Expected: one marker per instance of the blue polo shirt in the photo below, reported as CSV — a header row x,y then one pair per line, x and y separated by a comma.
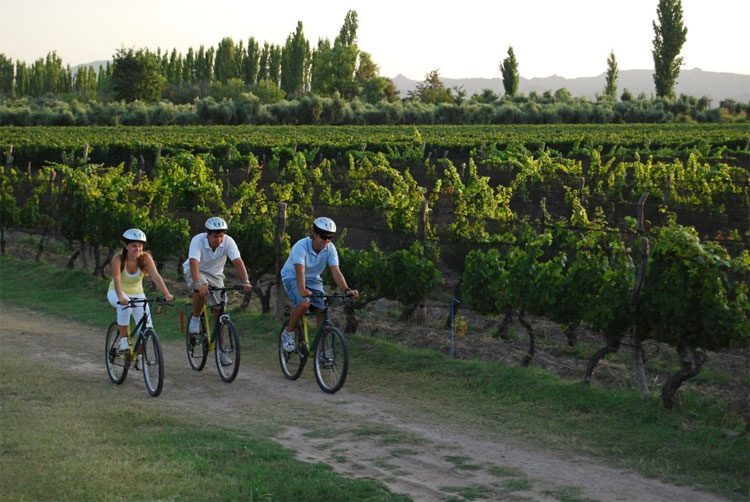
x,y
302,253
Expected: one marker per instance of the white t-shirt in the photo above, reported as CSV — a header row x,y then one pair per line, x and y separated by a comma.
x,y
209,261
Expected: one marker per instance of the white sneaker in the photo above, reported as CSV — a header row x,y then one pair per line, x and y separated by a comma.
x,y
287,341
225,360
195,325
139,362
124,344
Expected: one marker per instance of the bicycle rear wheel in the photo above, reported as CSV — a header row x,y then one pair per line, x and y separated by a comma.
x,y
117,362
197,347
227,351
292,363
153,362
331,360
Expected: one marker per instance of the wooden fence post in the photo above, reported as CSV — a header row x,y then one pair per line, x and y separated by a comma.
x,y
639,372
280,228
420,313
422,221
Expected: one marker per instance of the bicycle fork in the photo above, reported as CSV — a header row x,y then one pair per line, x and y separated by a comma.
x,y
305,331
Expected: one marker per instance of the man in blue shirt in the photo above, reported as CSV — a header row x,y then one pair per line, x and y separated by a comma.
x,y
301,274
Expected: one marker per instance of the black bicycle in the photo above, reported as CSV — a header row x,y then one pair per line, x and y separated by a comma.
x,y
223,340
328,348
149,360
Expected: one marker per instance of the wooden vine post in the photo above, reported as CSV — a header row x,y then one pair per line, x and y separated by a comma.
x,y
639,372
280,228
421,310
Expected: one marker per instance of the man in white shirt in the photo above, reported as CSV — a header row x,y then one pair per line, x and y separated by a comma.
x,y
205,266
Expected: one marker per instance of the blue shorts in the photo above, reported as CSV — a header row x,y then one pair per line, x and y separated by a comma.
x,y
290,286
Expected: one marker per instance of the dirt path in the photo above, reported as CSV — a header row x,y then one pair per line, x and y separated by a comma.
x,y
357,434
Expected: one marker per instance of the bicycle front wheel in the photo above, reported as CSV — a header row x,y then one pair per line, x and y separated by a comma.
x,y
197,347
331,360
227,351
292,363
117,362
153,362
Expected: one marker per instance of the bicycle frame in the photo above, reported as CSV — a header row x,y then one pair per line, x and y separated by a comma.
x,y
222,318
319,331
138,329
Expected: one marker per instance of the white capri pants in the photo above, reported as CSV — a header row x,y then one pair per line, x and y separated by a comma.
x,y
124,313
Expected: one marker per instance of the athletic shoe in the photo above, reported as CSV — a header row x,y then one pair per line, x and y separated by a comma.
x,y
195,325
225,360
287,341
139,362
124,344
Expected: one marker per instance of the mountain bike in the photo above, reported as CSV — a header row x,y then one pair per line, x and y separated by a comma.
x,y
223,340
150,359
328,348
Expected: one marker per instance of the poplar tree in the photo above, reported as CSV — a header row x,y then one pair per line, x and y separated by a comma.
x,y
251,62
274,64
509,70
333,68
265,54
188,69
6,75
610,88
295,59
225,66
670,34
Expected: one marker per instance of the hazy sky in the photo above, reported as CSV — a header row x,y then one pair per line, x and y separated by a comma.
x,y
570,38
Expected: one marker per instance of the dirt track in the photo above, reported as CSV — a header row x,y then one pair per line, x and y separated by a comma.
x,y
363,435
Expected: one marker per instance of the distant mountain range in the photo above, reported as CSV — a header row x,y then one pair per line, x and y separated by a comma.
x,y
716,85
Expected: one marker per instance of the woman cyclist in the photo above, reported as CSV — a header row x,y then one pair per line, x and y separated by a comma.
x,y
128,269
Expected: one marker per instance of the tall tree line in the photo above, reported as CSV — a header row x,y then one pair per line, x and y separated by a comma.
x,y
231,68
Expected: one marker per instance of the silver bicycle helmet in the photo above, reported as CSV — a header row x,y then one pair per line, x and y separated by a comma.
x,y
134,234
324,225
216,224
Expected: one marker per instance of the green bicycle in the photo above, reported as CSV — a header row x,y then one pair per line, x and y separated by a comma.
x,y
328,348
223,340
150,359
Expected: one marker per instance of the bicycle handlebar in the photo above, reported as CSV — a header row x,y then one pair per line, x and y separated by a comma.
x,y
332,296
134,302
238,287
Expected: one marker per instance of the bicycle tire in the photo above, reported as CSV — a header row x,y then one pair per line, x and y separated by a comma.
x,y
117,362
331,360
292,363
197,347
152,362
227,344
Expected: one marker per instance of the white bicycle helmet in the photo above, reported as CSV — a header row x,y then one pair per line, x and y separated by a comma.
x,y
134,234
216,224
324,224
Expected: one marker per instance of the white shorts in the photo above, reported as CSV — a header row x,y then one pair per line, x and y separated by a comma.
x,y
217,281
123,312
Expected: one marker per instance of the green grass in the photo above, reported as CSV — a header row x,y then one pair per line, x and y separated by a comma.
x,y
696,446
567,494
59,444
462,463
